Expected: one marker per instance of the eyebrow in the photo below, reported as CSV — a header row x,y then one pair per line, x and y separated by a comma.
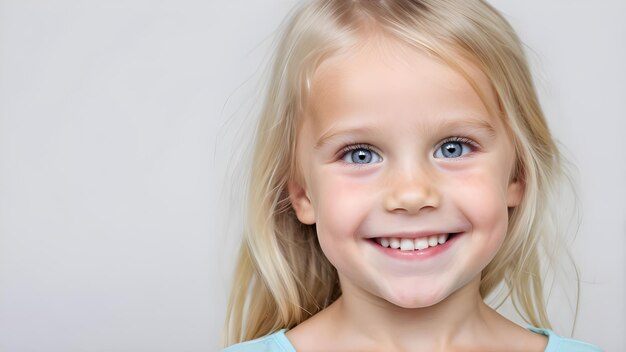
x,y
471,123
474,124
329,135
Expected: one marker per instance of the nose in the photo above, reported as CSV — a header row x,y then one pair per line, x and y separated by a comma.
x,y
411,190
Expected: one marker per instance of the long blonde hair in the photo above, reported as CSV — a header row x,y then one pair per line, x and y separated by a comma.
x,y
282,277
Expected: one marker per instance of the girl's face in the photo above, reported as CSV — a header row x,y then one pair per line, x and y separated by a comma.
x,y
397,149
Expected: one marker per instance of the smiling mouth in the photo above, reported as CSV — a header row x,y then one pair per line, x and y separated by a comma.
x,y
414,244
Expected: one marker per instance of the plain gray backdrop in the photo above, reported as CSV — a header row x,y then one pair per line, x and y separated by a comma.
x,y
121,126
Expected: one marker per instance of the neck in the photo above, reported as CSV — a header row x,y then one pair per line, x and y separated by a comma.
x,y
450,322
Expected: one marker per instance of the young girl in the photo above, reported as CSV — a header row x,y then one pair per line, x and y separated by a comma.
x,y
402,171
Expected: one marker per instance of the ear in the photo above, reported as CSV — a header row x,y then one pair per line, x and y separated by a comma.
x,y
514,193
301,203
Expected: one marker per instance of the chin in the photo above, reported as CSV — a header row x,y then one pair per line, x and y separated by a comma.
x,y
413,300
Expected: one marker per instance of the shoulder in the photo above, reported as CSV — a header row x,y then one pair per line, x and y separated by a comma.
x,y
276,342
557,343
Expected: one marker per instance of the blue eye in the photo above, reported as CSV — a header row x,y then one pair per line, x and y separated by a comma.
x,y
453,149
360,155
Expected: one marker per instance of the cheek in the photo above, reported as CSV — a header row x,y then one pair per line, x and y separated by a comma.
x,y
481,197
341,205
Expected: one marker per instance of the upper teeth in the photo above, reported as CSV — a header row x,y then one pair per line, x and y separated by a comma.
x,y
409,244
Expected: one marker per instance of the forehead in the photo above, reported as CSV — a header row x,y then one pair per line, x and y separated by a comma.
x,y
388,79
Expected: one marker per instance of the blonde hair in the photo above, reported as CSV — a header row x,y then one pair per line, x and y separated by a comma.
x,y
282,277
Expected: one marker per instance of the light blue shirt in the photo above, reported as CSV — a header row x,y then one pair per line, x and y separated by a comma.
x,y
278,342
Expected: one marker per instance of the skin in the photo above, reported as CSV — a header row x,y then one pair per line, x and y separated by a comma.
x,y
402,104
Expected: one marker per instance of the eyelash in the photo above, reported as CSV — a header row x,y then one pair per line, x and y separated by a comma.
x,y
358,146
459,139
355,146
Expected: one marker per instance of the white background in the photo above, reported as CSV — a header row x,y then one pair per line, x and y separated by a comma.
x,y
120,125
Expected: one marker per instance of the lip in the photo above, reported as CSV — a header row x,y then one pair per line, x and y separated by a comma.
x,y
414,235
422,254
